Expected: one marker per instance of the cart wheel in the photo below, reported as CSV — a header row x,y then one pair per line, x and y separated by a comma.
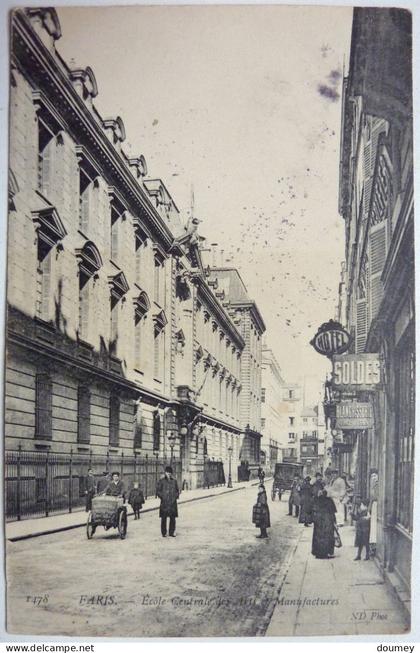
x,y
122,524
90,526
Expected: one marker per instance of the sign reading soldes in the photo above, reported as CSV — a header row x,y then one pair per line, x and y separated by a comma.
x,y
356,372
354,415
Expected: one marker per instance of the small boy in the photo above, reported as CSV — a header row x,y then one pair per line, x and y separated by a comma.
x,y
261,513
362,518
136,500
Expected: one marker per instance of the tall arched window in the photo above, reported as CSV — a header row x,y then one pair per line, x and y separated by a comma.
x,y
141,307
89,263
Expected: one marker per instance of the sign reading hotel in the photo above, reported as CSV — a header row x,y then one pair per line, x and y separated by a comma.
x,y
356,372
330,339
354,415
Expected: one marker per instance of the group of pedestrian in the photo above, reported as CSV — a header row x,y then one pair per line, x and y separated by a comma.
x,y
112,485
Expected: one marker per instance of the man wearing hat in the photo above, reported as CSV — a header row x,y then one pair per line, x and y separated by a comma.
x,y
168,492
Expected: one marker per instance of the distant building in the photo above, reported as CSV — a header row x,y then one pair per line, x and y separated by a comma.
x,y
309,440
230,289
274,438
290,410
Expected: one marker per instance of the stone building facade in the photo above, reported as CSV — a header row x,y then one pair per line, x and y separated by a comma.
x,y
274,438
117,341
376,301
246,316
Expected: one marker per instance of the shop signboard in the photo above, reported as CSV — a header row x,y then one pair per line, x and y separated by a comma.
x,y
354,415
330,339
353,373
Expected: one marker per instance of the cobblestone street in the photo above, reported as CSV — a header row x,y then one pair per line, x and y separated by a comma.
x,y
215,578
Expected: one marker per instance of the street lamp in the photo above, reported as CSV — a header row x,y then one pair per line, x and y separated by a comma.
x,y
229,484
171,439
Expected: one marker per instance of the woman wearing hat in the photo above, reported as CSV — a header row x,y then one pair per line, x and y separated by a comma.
x,y
168,492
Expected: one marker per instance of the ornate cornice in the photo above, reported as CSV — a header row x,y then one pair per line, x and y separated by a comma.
x,y
41,67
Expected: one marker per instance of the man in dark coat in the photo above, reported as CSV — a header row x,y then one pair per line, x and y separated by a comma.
x,y
306,502
91,488
116,486
168,492
294,498
318,485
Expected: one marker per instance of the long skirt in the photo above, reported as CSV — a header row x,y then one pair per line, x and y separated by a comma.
x,y
323,535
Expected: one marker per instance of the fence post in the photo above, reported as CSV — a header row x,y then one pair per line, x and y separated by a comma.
x,y
146,474
135,466
47,464
122,464
71,481
18,506
90,457
107,461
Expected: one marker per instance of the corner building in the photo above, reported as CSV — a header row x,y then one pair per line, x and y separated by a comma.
x,y
117,343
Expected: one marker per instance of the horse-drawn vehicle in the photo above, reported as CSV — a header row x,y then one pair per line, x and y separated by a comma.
x,y
283,477
109,512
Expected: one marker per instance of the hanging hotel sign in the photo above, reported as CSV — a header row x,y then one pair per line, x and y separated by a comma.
x,y
331,339
354,415
356,372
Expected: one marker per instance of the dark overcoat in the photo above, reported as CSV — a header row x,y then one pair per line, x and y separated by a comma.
x,y
168,492
306,503
261,512
362,519
136,498
115,489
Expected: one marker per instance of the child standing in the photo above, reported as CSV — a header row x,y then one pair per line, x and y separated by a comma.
x,y
136,500
362,518
261,512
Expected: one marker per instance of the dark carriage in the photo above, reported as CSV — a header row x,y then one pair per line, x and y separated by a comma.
x,y
283,477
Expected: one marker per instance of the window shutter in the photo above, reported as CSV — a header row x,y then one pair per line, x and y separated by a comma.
x,y
83,414
114,421
138,433
156,431
84,209
361,325
47,168
84,310
43,407
377,256
46,287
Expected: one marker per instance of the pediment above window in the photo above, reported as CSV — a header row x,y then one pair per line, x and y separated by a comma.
x,y
115,129
141,304
48,224
84,82
139,164
119,285
48,18
89,258
160,321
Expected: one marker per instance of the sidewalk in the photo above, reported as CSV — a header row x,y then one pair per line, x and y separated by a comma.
x,y
27,528
334,597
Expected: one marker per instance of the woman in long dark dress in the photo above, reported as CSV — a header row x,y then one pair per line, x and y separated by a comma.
x,y
306,502
324,519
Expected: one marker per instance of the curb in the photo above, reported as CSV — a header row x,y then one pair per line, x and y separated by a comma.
x,y
70,527
270,612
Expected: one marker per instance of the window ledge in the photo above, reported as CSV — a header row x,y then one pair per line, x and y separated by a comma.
x,y
114,450
83,447
42,444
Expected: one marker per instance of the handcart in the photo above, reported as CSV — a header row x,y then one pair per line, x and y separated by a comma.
x,y
109,512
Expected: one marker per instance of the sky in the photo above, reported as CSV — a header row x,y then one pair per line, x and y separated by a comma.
x,y
242,104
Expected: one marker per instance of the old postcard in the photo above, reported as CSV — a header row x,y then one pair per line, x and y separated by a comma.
x,y
210,367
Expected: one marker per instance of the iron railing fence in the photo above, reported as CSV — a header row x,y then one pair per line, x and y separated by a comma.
x,y
40,483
